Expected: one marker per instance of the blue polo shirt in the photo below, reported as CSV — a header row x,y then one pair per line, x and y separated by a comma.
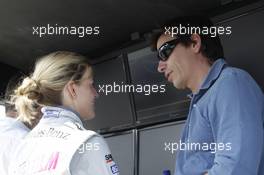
x,y
224,133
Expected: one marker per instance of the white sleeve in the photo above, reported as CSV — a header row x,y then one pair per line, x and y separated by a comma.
x,y
93,157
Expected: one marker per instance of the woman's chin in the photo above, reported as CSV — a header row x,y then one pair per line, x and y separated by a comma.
x,y
89,116
92,116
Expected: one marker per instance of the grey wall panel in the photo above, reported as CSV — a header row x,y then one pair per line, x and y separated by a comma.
x,y
153,158
143,67
122,147
244,47
114,109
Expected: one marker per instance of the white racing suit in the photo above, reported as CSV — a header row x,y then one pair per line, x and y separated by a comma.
x,y
12,131
59,145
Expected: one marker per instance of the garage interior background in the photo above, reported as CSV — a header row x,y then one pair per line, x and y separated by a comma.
x,y
137,126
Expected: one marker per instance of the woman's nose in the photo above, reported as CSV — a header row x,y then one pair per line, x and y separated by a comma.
x,y
96,95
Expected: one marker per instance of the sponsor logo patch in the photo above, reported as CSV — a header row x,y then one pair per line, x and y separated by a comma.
x,y
51,113
114,169
109,158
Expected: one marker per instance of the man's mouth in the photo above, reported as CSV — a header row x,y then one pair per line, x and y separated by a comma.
x,y
168,76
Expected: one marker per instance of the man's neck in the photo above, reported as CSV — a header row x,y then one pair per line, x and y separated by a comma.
x,y
198,75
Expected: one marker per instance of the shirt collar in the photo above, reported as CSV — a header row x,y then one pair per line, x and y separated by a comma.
x,y
212,75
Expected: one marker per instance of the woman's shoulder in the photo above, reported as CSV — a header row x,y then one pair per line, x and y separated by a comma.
x,y
96,140
95,145
92,133
95,136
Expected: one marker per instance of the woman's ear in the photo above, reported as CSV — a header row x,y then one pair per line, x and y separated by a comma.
x,y
70,87
196,45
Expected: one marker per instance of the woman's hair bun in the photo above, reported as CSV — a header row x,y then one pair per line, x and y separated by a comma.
x,y
29,88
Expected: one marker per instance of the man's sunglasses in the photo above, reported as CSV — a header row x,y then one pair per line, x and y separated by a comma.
x,y
166,49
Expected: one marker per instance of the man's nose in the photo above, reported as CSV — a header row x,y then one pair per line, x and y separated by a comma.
x,y
162,66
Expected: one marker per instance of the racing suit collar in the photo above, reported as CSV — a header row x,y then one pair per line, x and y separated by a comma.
x,y
61,111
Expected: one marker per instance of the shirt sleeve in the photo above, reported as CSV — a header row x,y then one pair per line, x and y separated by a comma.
x,y
94,157
237,120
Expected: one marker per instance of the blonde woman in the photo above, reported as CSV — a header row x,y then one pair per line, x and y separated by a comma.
x,y
61,86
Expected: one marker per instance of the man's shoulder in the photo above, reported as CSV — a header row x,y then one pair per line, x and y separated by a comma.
x,y
237,80
233,76
234,72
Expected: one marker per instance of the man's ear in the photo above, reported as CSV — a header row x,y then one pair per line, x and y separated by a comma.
x,y
197,44
71,89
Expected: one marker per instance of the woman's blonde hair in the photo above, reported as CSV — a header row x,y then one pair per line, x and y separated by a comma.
x,y
44,86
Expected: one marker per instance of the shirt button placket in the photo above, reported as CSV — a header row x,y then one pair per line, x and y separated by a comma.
x,y
189,126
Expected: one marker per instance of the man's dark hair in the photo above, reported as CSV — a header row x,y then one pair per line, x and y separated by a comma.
x,y
211,47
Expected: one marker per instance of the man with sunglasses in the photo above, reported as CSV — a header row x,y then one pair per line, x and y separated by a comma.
x,y
226,109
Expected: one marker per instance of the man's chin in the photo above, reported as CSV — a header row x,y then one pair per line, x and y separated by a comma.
x,y
178,85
